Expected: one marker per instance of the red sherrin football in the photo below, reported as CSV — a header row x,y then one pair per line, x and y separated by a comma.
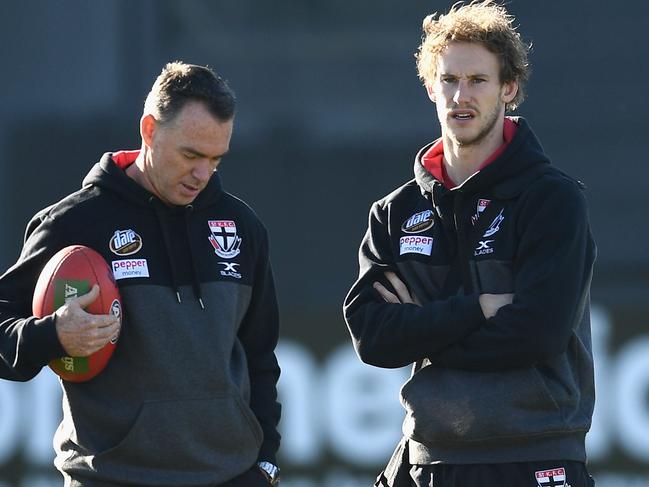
x,y
70,273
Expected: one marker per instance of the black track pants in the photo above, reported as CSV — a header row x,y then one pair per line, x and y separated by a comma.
x,y
527,474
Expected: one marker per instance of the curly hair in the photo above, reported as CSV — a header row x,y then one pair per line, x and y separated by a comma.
x,y
179,83
484,22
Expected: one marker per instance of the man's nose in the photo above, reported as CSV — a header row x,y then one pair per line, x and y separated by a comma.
x,y
462,94
202,170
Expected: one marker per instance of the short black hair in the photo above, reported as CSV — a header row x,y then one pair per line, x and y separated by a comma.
x,y
179,83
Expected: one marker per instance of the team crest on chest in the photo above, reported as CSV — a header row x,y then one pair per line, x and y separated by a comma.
x,y
480,207
554,477
224,238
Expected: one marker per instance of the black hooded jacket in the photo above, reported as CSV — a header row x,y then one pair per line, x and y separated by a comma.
x,y
517,386
189,396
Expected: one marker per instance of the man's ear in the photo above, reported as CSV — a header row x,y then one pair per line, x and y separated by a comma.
x,y
431,93
148,125
510,90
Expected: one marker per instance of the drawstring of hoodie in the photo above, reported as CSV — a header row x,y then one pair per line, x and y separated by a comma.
x,y
165,239
164,227
195,282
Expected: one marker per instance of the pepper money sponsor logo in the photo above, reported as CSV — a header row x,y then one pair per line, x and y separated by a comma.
x,y
130,268
125,242
418,222
415,245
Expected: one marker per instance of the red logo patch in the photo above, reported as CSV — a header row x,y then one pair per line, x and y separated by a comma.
x,y
555,477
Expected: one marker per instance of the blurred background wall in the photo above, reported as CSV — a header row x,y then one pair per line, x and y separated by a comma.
x,y
330,116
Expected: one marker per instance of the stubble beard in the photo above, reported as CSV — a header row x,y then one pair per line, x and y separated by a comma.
x,y
488,127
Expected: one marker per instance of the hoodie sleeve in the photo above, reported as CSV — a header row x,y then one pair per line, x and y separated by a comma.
x,y
552,274
394,335
26,342
259,334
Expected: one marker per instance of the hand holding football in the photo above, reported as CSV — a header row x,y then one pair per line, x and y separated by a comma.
x,y
77,285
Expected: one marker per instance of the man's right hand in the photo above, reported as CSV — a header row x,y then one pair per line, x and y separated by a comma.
x,y
403,295
80,333
491,303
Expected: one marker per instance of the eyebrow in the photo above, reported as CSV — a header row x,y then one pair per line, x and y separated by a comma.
x,y
200,154
476,75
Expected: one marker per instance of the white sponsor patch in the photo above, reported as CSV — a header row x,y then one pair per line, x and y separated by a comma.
x,y
415,245
130,268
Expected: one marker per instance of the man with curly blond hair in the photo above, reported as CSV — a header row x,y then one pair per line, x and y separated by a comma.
x,y
477,272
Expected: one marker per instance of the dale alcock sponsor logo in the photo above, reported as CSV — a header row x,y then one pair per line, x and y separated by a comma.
x,y
130,268
554,477
415,244
418,222
224,238
125,242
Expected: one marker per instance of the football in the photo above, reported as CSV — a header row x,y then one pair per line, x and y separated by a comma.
x,y
70,273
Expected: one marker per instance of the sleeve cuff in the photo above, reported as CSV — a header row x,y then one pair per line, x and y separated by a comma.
x,y
42,336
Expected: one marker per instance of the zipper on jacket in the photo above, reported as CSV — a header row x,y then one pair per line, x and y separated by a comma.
x,y
463,254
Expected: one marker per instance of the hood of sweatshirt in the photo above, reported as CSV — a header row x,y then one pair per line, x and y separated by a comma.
x,y
522,161
109,173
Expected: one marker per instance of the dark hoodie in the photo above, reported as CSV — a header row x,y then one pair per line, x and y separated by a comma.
x,y
518,386
189,397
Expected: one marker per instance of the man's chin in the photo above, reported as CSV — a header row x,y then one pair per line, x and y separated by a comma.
x,y
469,139
465,140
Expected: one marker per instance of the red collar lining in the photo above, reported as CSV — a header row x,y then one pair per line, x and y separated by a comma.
x,y
433,158
125,158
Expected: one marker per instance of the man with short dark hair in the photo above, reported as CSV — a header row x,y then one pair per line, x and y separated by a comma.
x,y
478,273
189,397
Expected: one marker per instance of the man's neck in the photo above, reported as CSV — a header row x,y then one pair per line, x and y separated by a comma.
x,y
135,171
462,161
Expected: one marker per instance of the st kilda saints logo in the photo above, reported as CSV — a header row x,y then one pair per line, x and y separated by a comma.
x,y
125,242
224,238
480,207
418,222
554,477
116,310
